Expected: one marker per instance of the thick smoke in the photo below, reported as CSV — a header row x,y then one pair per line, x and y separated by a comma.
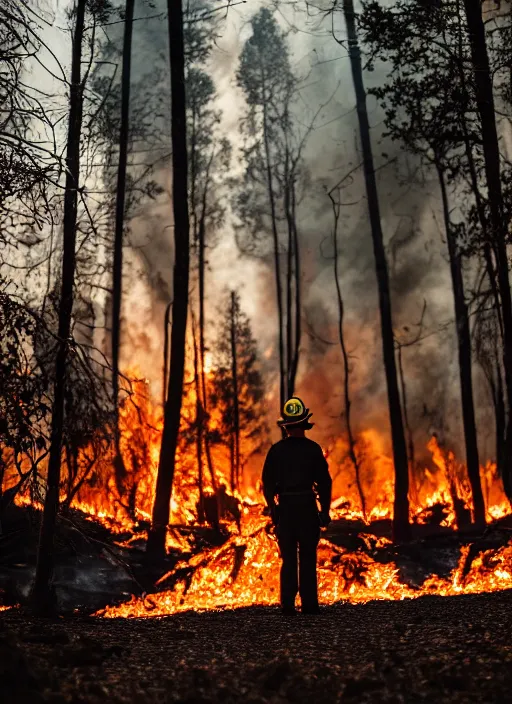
x,y
412,226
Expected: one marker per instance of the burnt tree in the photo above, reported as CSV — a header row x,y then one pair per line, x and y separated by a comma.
x,y
464,354
41,595
235,438
401,528
499,227
172,409
117,278
433,119
344,352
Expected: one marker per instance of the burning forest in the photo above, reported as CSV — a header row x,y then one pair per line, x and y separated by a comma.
x,y
218,221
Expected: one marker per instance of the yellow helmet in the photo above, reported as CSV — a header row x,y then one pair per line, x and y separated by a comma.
x,y
295,413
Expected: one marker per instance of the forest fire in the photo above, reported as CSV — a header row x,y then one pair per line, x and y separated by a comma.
x,y
245,569
245,572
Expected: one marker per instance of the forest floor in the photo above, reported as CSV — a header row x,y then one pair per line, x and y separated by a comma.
x,y
435,649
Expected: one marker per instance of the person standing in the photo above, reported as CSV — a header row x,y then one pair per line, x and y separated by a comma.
x,y
296,474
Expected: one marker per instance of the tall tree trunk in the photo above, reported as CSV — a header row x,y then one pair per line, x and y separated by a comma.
x,y
501,425
290,383
117,283
298,308
277,263
401,527
41,596
199,428
172,410
202,341
485,103
236,402
346,368
293,302
464,350
413,493
165,375
199,241
496,390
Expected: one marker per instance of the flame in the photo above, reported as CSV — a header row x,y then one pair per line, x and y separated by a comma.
x,y
245,570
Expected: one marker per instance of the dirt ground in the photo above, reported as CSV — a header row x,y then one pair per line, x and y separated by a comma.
x,y
432,649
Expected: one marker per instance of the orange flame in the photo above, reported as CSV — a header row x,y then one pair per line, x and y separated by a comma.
x,y
245,570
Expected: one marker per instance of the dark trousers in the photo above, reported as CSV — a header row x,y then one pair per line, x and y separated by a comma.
x,y
298,533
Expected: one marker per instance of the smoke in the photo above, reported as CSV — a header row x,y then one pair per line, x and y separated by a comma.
x,y
411,222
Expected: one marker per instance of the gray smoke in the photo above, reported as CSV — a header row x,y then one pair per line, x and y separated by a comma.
x,y
410,218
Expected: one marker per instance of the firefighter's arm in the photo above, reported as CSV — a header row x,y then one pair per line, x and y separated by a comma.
x,y
268,480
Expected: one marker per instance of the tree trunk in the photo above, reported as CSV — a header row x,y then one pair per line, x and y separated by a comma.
x,y
401,527
346,368
172,410
199,430
500,416
41,596
464,350
165,375
411,455
298,307
290,383
293,321
202,342
277,264
236,408
496,389
485,103
117,283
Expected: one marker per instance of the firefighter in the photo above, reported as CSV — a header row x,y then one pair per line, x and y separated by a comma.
x,y
296,473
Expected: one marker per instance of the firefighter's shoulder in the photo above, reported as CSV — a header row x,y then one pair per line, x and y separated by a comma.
x,y
317,447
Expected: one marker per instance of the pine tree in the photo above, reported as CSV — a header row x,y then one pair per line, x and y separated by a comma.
x,y
270,191
401,528
172,409
237,391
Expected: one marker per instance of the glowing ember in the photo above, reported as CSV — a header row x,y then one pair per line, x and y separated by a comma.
x,y
245,572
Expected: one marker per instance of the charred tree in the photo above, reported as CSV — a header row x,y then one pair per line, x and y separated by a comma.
x,y
117,280
235,455
401,527
165,368
172,409
201,243
465,366
346,365
199,428
209,158
275,240
41,595
294,364
490,147
493,375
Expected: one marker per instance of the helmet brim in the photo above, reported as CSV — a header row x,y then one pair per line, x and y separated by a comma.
x,y
296,422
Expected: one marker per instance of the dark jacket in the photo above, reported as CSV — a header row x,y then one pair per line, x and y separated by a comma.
x,y
296,465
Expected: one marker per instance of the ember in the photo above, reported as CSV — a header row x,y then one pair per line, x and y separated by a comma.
x,y
245,569
343,576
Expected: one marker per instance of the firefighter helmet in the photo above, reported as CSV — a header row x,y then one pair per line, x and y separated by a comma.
x,y
295,414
